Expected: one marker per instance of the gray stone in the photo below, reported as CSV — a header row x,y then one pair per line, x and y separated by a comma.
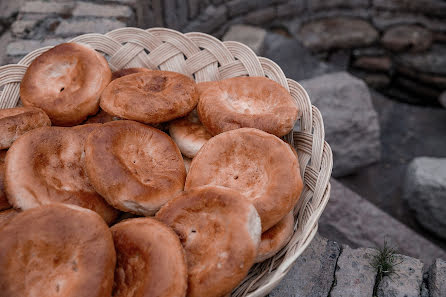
x,y
291,8
76,27
340,58
424,292
442,99
150,15
313,272
337,32
47,7
407,131
425,192
429,7
416,91
316,5
438,81
439,36
355,277
294,25
351,219
373,51
208,21
405,281
351,123
9,8
374,80
194,8
126,2
261,16
5,39
433,61
21,27
386,19
295,60
98,10
175,13
411,38
382,63
23,47
251,36
236,7
437,279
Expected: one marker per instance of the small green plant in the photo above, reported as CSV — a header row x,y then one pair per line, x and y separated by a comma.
x,y
384,263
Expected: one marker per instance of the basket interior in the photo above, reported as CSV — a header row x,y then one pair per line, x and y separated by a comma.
x,y
205,58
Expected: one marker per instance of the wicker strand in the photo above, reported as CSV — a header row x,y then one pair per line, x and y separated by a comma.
x,y
205,58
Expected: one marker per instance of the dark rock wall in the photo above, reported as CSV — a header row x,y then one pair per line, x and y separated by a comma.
x,y
398,46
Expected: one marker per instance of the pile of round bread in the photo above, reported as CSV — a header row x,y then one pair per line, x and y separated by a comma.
x,y
141,182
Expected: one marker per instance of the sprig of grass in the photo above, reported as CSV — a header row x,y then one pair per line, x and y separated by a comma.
x,y
384,263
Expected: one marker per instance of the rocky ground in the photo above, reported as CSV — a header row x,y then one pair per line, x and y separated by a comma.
x,y
389,147
346,272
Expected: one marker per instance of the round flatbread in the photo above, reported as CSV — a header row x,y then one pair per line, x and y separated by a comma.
x,y
56,250
101,118
275,238
15,122
135,167
66,82
150,260
4,204
7,215
187,162
150,97
257,164
127,71
220,232
255,102
46,165
189,134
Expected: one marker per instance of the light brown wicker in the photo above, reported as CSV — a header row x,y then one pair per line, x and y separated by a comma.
x,y
205,58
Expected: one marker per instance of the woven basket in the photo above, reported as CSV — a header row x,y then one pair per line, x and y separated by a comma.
x,y
205,58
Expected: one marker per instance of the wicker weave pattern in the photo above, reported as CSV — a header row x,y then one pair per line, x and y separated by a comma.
x,y
205,58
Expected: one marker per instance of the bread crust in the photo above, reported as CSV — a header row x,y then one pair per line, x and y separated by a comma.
x,y
135,167
150,260
4,204
150,97
189,134
15,122
127,71
259,165
46,166
220,232
7,215
56,250
275,238
254,102
66,82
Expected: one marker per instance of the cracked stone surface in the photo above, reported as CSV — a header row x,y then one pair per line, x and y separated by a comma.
x,y
351,219
437,279
316,263
406,281
355,277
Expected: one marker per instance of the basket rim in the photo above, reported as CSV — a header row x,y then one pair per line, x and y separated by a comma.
x,y
168,48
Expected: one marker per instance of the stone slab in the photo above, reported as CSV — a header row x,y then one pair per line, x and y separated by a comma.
x,y
312,274
437,278
251,36
405,281
355,277
351,219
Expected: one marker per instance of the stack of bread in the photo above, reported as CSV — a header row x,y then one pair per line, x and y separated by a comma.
x,y
141,182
